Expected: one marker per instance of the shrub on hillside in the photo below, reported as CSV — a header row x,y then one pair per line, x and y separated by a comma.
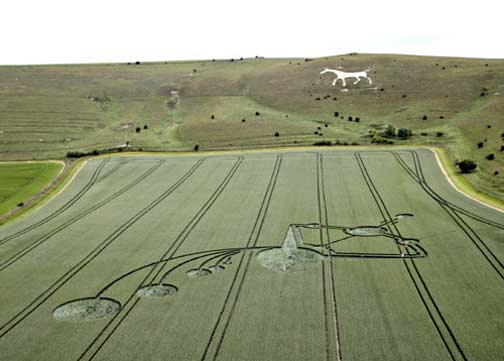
x,y
439,134
196,147
146,127
138,129
502,148
424,117
277,134
490,156
257,113
357,119
336,114
390,131
323,142
480,145
20,204
467,165
404,133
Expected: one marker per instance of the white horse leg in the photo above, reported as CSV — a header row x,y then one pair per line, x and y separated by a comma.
x,y
344,83
358,80
334,81
370,81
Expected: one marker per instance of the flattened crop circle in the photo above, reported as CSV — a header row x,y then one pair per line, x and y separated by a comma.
x,y
159,290
86,309
365,231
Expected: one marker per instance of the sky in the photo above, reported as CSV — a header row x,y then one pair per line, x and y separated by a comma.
x,y
75,31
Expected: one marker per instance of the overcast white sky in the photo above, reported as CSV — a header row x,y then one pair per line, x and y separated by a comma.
x,y
75,31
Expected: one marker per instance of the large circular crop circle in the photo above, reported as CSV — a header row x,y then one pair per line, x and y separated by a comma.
x,y
158,290
286,260
365,231
86,309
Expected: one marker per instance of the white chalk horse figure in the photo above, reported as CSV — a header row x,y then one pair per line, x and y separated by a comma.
x,y
343,75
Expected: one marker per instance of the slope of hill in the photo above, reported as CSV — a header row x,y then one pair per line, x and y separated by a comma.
x,y
46,111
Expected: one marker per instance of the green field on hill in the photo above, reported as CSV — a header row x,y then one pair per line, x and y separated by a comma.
x,y
21,181
281,255
455,103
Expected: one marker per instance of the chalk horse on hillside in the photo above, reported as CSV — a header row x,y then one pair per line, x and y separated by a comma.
x,y
344,75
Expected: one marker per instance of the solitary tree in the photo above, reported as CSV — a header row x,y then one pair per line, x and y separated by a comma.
x,y
467,165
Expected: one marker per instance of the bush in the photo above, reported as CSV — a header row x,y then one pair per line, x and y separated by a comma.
x,y
404,133
382,89
336,114
480,145
490,156
424,117
326,125
357,119
243,120
315,132
20,204
424,134
323,142
319,128
146,127
350,118
257,113
502,148
137,62
390,131
138,129
404,95
489,126
467,166
441,117
439,134
212,116
496,172
277,134
196,147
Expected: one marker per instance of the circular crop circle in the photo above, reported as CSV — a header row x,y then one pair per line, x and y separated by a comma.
x,y
86,309
286,260
365,231
158,290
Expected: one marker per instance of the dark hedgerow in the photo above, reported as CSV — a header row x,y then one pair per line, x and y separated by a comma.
x,y
323,142
467,165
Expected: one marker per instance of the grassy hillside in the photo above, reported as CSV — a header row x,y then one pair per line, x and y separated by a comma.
x,y
20,182
45,111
